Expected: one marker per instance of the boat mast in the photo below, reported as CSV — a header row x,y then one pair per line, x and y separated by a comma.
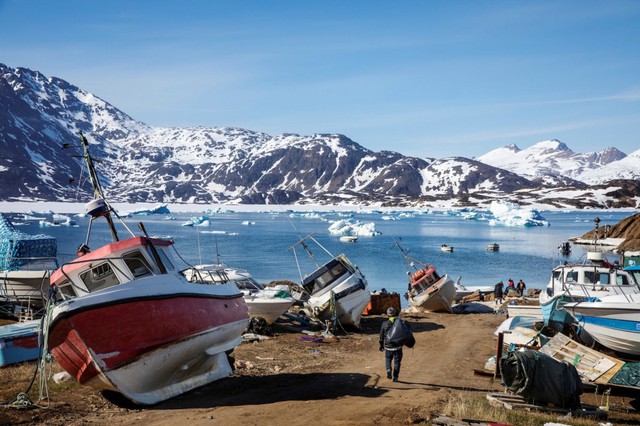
x,y
98,207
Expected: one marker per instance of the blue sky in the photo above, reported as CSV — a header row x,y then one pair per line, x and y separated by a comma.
x,y
424,78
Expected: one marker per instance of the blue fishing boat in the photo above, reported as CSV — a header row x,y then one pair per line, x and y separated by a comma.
x,y
19,342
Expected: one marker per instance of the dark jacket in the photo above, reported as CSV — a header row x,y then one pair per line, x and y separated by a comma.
x,y
497,291
383,334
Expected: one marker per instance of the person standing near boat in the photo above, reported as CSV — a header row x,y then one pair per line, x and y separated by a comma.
x,y
391,352
498,292
521,287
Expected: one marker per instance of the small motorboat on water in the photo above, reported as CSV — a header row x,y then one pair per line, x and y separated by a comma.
x,y
336,291
26,262
126,320
348,238
446,248
427,290
493,247
268,303
564,248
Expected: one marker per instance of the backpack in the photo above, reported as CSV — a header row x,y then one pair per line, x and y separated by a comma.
x,y
400,334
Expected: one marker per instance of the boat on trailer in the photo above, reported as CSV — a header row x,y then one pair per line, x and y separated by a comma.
x,y
126,320
336,291
427,290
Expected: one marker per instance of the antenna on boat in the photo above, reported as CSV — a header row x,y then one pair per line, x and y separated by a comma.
x,y
98,207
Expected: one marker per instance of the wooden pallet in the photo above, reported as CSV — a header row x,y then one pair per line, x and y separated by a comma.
x,y
516,402
592,365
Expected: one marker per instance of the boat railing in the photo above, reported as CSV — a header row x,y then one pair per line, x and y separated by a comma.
x,y
127,273
589,290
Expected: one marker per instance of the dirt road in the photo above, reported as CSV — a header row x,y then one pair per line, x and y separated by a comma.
x,y
286,380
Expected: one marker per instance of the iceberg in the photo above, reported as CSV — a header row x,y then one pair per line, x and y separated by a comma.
x,y
353,227
158,209
511,214
197,221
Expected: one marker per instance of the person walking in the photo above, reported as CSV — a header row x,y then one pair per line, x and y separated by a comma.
x,y
391,353
498,292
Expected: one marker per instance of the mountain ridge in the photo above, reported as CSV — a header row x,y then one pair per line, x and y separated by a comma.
x,y
235,165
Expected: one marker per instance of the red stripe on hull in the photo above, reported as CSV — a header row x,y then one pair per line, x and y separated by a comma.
x,y
117,334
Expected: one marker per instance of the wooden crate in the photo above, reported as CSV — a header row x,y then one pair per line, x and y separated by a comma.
x,y
380,302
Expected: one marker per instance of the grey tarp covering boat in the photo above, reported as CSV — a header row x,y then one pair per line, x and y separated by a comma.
x,y
540,378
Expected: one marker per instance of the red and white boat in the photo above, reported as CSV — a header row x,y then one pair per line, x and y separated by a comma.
x,y
127,320
427,291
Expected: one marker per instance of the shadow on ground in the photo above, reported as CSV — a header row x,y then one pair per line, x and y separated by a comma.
x,y
255,390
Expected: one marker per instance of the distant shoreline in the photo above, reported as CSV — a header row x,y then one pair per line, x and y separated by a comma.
x,y
78,207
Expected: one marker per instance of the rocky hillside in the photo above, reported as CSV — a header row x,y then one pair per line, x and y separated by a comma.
x,y
628,228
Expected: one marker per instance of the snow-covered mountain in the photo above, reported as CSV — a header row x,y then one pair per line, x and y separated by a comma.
x,y
553,163
219,164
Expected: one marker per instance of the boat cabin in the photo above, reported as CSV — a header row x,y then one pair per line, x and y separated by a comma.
x,y
337,269
592,280
113,264
422,279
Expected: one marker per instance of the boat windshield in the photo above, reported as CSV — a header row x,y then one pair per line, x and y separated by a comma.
x,y
324,276
137,264
249,284
635,275
99,277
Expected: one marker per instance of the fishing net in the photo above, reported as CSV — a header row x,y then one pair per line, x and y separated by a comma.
x,y
18,249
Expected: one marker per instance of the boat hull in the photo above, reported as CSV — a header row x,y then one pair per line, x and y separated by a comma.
x,y
19,342
436,298
614,325
148,348
268,309
351,298
530,311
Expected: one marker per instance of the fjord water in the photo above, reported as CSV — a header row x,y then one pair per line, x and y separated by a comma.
x,y
263,246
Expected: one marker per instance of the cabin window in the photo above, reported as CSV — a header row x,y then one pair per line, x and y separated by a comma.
x,y
66,290
622,280
102,276
589,277
163,257
572,276
137,264
603,278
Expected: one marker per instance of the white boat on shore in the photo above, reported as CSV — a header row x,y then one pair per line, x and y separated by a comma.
x,y
336,291
522,309
613,321
594,277
268,303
